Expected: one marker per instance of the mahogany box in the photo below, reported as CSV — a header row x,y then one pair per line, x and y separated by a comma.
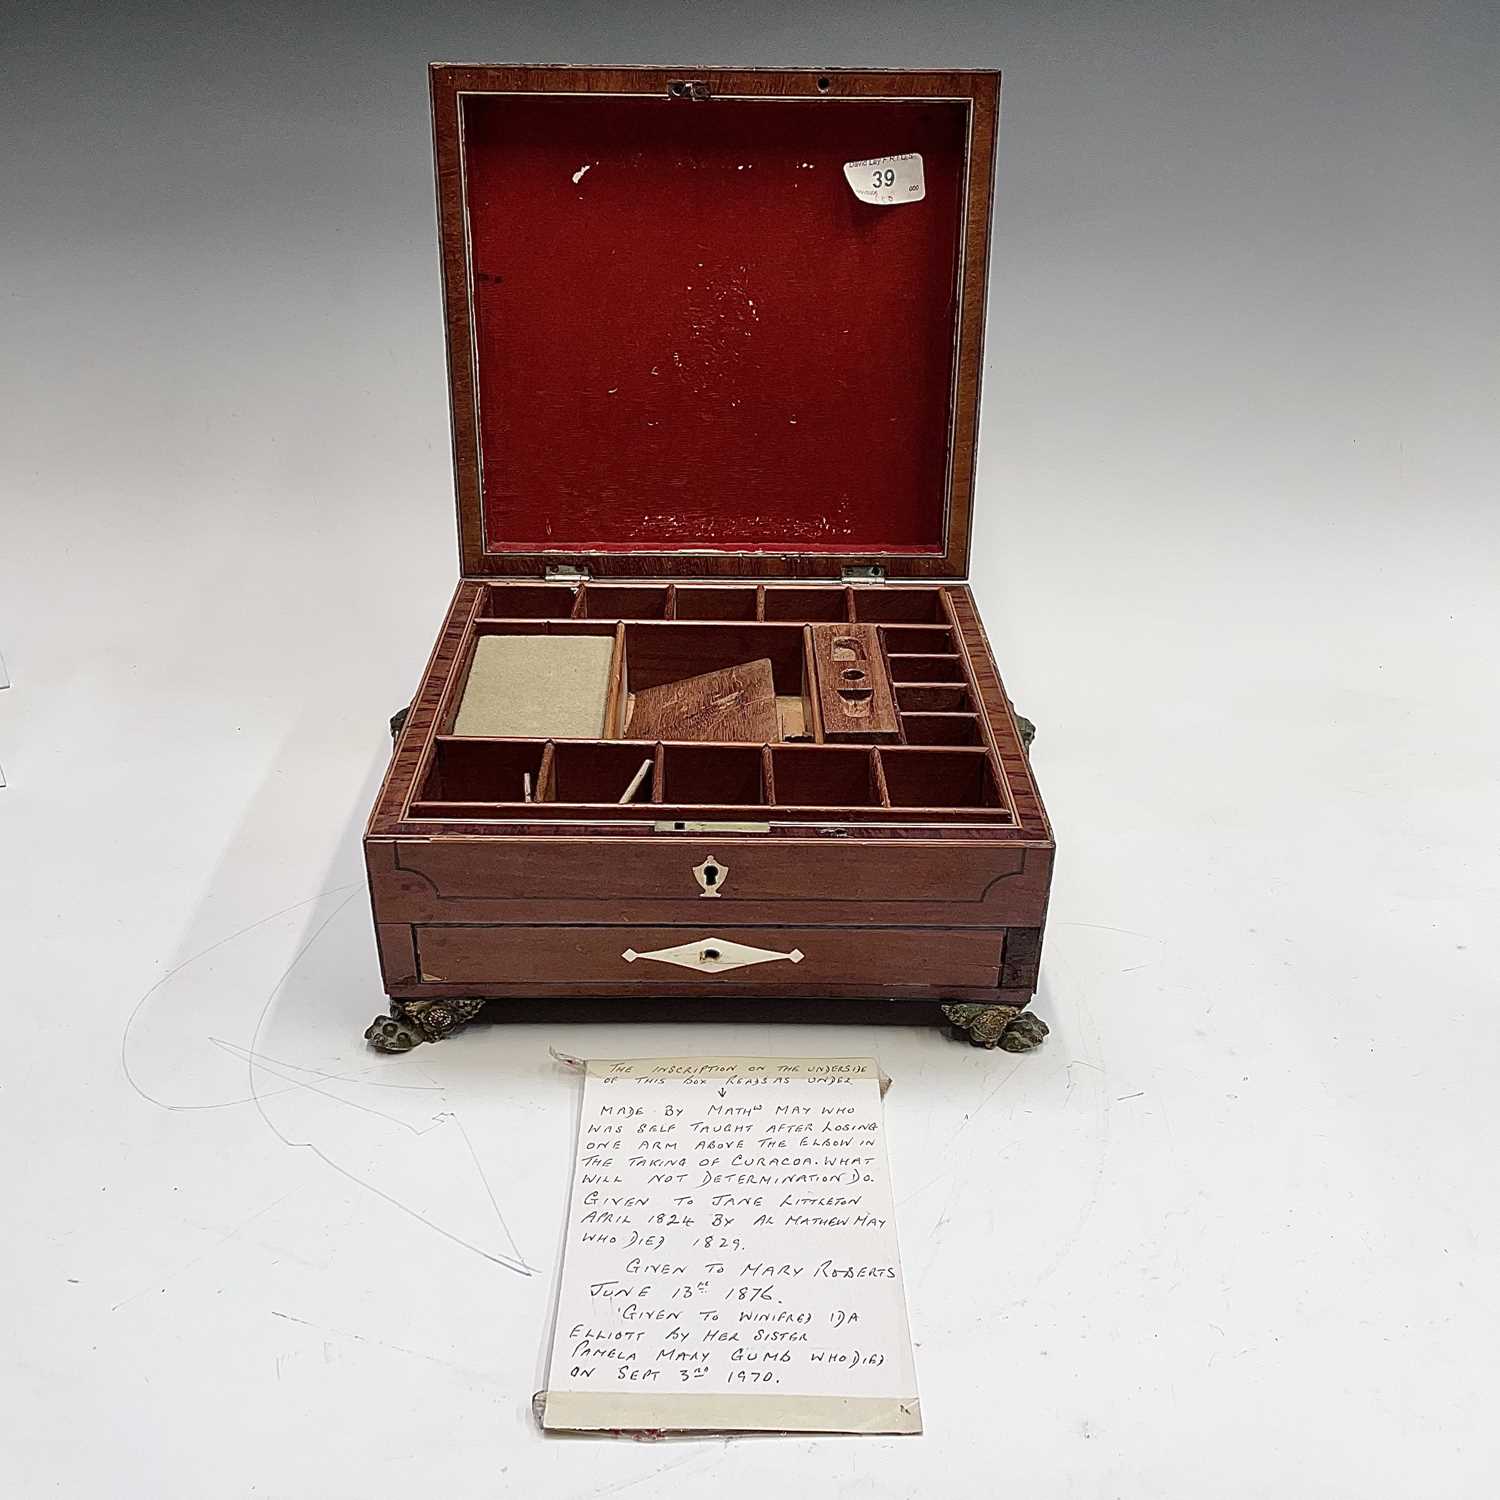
x,y
714,350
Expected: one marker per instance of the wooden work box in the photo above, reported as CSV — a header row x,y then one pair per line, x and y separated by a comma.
x,y
712,727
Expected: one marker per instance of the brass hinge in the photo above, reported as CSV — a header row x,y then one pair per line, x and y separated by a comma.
x,y
565,573
863,573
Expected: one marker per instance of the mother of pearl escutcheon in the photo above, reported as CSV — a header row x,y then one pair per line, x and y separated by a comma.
x,y
712,955
710,876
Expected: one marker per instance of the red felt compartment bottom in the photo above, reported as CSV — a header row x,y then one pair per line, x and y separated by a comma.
x,y
690,333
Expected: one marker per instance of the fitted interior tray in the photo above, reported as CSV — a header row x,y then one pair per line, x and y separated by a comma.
x,y
550,657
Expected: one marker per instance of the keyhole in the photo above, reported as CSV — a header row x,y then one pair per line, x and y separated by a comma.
x,y
710,874
710,955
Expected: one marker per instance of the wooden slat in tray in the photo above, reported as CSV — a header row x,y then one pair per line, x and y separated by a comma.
x,y
735,704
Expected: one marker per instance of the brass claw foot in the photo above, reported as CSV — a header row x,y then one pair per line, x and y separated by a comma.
x,y
1003,1026
412,1022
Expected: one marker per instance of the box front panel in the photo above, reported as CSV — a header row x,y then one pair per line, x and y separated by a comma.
x,y
692,879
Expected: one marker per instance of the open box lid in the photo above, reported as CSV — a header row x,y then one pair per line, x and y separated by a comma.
x,y
679,341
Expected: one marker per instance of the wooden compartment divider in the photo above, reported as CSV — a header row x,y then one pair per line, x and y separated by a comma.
x,y
937,759
540,791
934,695
768,775
614,702
812,713
658,773
877,770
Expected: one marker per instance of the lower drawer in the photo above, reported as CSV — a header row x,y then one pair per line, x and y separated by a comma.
x,y
656,957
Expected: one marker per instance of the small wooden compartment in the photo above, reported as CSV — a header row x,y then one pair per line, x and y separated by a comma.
x,y
528,601
940,778
604,775
809,605
472,770
711,671
714,604
917,640
929,698
713,776
914,669
659,654
631,603
941,729
812,776
885,606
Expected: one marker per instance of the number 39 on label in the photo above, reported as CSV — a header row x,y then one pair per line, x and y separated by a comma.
x,y
886,180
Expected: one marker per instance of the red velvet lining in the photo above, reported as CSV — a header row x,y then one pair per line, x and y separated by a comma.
x,y
691,334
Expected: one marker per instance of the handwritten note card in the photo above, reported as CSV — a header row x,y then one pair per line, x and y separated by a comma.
x,y
731,1260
